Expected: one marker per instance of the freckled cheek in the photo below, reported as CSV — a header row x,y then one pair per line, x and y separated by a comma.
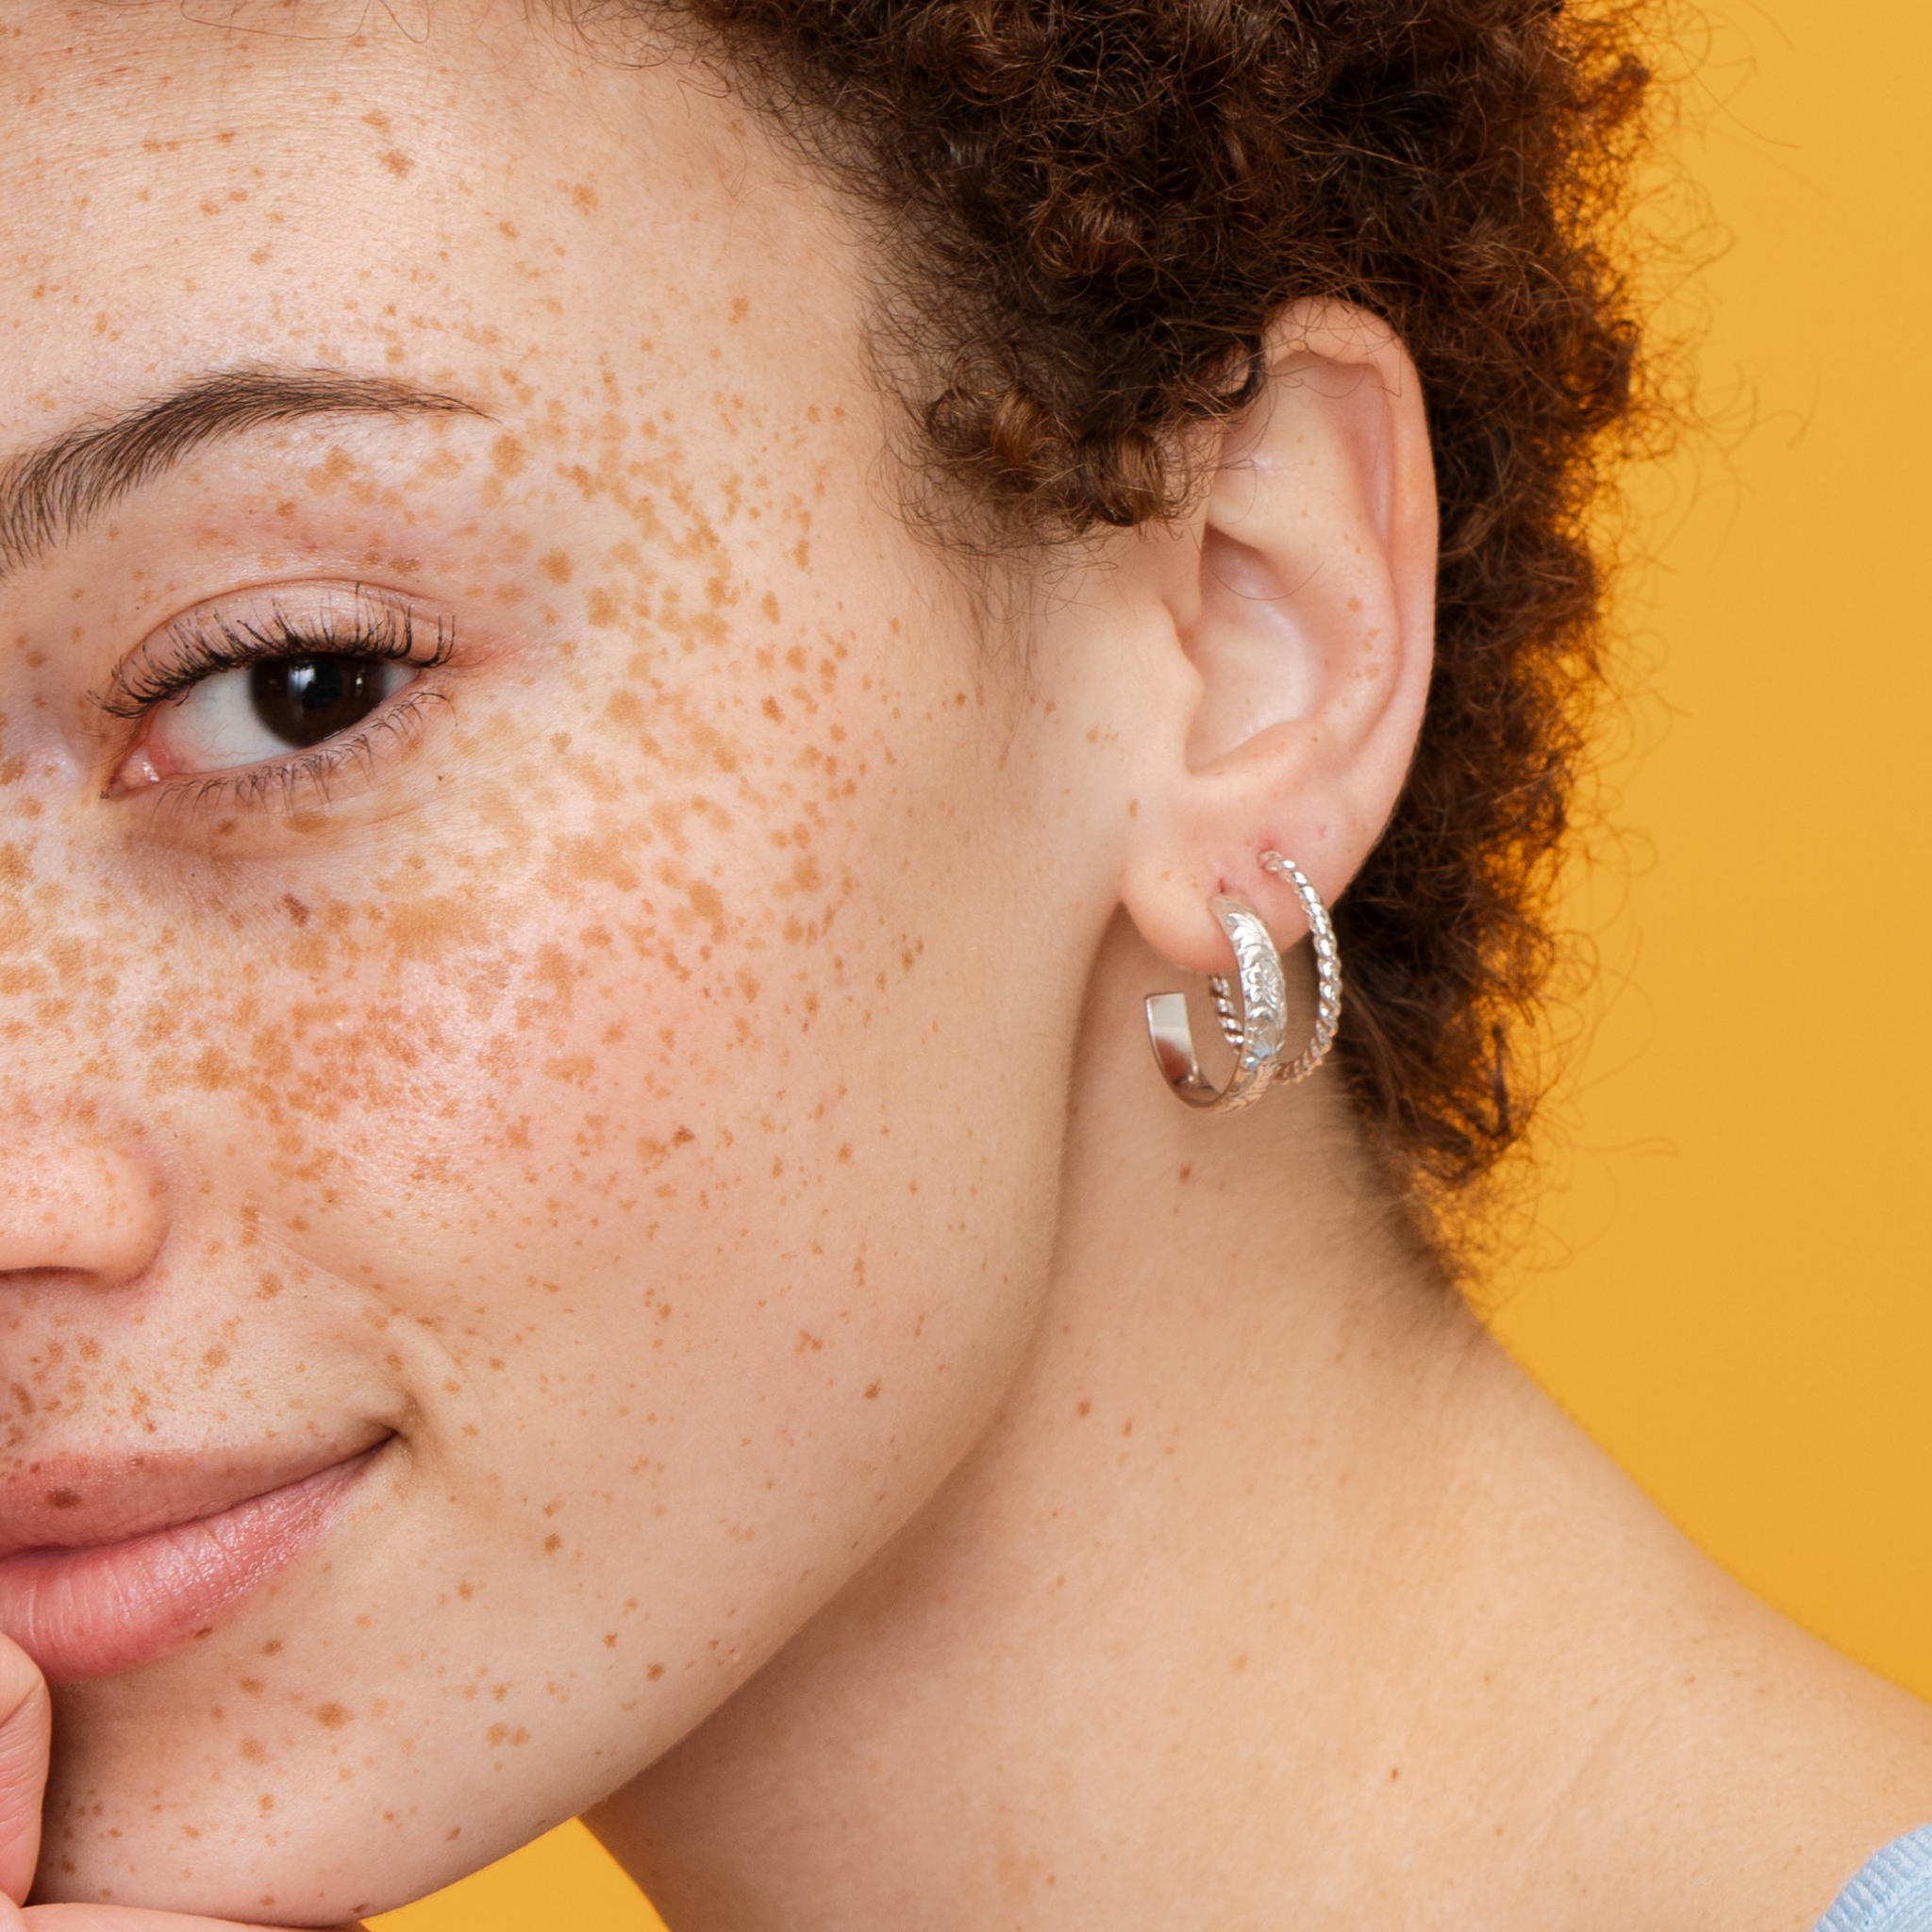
x,y
414,1103
546,1016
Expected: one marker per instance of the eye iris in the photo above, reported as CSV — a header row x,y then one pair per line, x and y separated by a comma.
x,y
304,700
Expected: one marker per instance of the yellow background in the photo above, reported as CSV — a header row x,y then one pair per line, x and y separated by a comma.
x,y
1728,1282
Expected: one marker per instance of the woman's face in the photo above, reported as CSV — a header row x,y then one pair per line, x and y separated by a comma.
x,y
574,1144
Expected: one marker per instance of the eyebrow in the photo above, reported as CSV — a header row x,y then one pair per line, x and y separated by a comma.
x,y
49,493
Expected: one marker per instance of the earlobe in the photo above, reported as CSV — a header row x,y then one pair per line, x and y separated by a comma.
x,y
1306,616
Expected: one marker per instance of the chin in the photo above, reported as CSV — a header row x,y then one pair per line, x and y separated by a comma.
x,y
163,1800
306,1761
341,1745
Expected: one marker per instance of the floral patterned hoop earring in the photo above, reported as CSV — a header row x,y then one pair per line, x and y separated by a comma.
x,y
1255,1029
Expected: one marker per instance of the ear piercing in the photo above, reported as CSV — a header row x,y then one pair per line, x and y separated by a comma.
x,y
1255,1029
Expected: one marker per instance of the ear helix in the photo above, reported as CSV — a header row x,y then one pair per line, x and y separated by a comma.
x,y
1255,1032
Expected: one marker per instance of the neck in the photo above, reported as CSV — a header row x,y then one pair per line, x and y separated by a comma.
x,y
1273,1595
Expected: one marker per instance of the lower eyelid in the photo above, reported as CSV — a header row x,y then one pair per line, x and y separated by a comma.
x,y
304,780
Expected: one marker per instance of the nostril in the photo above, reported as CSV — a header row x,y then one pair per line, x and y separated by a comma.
x,y
75,1207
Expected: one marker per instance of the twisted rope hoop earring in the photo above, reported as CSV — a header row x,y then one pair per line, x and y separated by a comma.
x,y
1256,1031
1327,969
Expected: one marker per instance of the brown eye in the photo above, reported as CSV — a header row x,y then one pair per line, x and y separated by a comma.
x,y
262,711
304,700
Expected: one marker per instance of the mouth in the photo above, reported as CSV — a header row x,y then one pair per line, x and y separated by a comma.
x,y
104,1568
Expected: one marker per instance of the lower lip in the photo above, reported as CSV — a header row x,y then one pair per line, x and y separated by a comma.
x,y
94,1612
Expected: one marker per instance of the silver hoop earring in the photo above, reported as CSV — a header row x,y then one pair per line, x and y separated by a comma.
x,y
1327,969
1256,1031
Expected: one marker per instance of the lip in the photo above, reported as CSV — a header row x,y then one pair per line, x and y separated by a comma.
x,y
105,1566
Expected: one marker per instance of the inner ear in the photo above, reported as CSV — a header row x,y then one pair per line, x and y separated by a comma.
x,y
1259,663
1296,613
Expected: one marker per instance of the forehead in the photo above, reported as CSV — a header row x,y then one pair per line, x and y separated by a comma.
x,y
463,189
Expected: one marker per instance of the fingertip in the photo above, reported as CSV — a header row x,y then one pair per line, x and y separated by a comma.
x,y
20,1680
26,1727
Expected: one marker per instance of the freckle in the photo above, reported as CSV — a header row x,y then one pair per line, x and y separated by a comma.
x,y
266,1801
451,1836
268,1287
251,1686
656,1671
252,1750
1127,1427
507,455
397,162
555,565
216,1359
552,1542
63,1499
611,1639
332,1717
584,199
1240,1663
1084,1408
273,1647
872,1394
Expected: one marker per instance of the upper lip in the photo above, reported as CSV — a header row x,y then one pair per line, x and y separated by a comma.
x,y
70,1502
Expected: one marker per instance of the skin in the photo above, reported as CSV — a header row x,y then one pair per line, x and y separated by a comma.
x,y
679,1090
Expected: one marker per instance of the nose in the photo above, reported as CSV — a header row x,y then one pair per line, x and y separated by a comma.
x,y
72,1203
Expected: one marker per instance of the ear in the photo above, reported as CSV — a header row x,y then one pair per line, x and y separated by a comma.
x,y
1299,611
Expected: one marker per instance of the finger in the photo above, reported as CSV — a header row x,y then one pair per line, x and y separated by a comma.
x,y
26,1718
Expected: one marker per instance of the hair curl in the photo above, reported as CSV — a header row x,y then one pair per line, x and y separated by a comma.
x,y
1102,203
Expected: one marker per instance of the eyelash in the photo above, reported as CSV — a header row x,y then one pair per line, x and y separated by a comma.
x,y
206,643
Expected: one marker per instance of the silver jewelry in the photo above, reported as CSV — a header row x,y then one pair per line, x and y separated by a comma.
x,y
1327,969
1255,1030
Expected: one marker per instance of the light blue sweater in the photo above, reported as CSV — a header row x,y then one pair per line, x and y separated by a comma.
x,y
1892,1893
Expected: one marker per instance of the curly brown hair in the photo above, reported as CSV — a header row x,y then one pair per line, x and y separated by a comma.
x,y
1098,207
